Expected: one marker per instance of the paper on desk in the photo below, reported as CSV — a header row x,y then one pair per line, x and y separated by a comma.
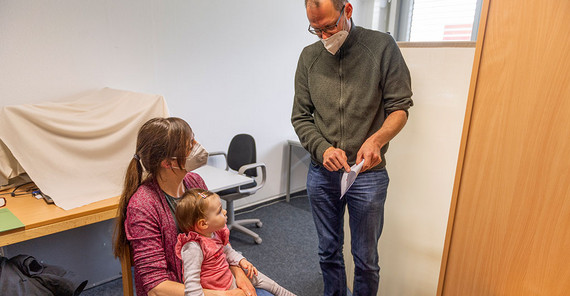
x,y
348,178
9,220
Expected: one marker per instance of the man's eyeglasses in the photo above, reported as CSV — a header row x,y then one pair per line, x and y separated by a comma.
x,y
327,29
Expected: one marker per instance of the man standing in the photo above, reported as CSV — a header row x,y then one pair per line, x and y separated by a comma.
x,y
352,93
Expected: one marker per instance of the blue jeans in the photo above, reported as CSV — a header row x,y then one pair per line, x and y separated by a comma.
x,y
365,200
261,292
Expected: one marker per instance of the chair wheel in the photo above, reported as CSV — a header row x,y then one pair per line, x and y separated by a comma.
x,y
259,224
258,240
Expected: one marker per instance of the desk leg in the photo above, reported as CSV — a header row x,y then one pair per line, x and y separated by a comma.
x,y
288,194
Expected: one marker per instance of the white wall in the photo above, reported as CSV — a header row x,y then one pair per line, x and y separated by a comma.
x,y
224,66
421,165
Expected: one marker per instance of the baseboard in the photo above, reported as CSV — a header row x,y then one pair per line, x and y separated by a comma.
x,y
268,200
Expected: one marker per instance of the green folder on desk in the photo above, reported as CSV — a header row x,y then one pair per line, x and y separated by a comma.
x,y
9,221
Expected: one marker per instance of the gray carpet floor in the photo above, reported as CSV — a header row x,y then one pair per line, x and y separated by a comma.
x,y
288,253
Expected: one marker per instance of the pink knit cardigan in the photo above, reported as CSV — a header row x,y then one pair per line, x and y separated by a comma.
x,y
152,234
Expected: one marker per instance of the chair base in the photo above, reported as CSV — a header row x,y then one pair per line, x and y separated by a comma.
x,y
238,225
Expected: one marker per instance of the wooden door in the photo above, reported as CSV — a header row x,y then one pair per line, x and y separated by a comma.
x,y
509,225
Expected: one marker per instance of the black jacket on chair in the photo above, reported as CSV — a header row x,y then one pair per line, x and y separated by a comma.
x,y
24,275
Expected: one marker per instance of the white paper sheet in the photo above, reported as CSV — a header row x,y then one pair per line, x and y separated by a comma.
x,y
349,178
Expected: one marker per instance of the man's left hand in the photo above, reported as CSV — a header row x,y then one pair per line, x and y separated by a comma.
x,y
370,152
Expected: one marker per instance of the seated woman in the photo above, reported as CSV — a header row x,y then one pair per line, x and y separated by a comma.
x,y
158,174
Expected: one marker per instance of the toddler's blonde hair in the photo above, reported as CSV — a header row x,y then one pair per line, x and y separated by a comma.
x,y
192,207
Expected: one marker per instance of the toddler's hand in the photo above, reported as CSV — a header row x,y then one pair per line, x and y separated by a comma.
x,y
246,265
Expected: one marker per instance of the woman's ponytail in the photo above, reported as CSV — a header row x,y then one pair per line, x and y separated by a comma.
x,y
132,181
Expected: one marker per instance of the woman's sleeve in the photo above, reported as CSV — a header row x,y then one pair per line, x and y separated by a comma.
x,y
192,258
144,234
194,180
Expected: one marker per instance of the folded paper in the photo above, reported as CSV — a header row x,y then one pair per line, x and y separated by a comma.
x,y
349,178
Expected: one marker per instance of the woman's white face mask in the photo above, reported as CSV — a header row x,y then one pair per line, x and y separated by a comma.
x,y
198,157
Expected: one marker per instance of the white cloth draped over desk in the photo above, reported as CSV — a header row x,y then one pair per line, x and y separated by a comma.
x,y
77,151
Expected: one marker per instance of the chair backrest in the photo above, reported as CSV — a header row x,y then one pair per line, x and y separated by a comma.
x,y
242,152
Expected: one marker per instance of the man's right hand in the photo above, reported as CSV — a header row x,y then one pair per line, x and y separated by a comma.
x,y
335,159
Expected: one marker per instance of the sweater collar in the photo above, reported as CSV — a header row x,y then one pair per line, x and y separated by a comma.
x,y
351,39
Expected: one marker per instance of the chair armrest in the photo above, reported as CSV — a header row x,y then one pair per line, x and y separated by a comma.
x,y
246,167
215,153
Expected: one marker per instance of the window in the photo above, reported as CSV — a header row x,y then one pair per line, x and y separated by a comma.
x,y
442,20
422,20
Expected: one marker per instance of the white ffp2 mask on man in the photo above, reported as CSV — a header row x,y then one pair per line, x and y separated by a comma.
x,y
334,42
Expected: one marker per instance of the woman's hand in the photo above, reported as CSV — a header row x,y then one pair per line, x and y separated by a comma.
x,y
235,292
251,270
242,281
167,288
232,292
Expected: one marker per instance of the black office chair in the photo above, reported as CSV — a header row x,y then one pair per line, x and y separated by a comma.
x,y
241,157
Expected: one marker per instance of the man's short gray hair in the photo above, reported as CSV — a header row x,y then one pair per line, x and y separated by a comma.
x,y
338,4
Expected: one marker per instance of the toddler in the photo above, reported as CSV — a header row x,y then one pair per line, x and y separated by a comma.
x,y
205,250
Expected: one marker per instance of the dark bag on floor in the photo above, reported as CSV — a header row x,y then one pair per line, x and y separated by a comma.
x,y
24,275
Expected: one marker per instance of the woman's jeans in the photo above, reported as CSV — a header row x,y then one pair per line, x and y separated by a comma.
x,y
365,200
261,292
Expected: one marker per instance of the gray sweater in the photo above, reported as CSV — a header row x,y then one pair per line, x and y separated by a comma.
x,y
342,99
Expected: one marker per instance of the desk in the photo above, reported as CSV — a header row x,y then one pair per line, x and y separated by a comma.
x,y
41,219
290,144
218,179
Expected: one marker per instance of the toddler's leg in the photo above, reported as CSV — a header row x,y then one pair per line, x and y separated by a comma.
x,y
262,281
